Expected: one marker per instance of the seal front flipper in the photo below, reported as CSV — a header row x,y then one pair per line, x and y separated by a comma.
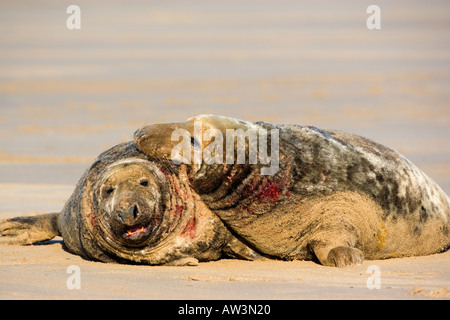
x,y
183,262
338,231
237,249
29,230
333,243
344,256
340,256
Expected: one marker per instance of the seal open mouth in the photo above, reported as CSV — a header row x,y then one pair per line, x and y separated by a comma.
x,y
136,232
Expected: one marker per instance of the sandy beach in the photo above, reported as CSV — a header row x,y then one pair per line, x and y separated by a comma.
x,y
41,272
67,95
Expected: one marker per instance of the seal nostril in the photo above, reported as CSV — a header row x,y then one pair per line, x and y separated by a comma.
x,y
138,134
128,216
121,215
133,211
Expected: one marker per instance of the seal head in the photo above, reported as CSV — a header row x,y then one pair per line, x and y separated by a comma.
x,y
127,207
215,145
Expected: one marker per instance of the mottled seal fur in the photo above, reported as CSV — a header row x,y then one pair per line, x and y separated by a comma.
x,y
128,208
337,197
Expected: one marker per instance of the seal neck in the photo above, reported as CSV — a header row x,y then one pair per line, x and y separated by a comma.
x,y
245,187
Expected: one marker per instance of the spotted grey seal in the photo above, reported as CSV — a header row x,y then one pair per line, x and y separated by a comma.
x,y
128,208
334,196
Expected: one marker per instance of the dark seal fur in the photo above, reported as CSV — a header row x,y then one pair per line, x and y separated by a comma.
x,y
336,196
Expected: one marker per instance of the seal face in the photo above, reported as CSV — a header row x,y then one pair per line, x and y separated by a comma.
x,y
131,208
131,202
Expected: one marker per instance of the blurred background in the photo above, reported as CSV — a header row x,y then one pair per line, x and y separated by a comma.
x,y
67,95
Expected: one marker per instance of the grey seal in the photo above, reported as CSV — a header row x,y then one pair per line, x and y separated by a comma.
x,y
334,196
127,208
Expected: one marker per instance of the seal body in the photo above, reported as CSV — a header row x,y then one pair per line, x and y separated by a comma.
x,y
335,196
127,208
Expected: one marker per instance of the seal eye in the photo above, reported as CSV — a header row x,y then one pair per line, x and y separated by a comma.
x,y
109,190
144,183
195,143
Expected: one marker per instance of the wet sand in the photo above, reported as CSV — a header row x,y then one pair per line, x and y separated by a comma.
x,y
67,95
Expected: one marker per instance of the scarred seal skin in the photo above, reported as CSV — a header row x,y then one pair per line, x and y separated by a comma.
x,y
336,197
128,208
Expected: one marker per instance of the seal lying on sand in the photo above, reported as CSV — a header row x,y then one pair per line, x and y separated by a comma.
x,y
333,196
127,208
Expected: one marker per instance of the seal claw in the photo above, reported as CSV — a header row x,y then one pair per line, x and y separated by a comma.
x,y
183,262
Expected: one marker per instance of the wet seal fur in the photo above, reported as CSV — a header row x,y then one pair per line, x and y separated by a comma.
x,y
127,208
337,197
